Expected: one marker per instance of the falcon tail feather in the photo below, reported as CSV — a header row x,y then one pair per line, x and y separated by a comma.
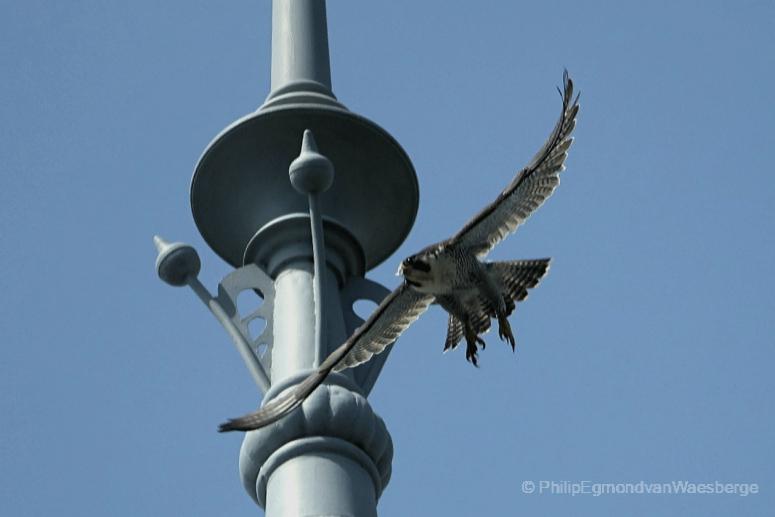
x,y
517,276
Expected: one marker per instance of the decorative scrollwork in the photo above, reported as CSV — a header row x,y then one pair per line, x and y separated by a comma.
x,y
254,278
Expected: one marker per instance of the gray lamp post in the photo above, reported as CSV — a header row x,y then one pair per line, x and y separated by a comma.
x,y
303,243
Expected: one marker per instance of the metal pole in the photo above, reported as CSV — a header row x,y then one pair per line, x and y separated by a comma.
x,y
311,175
299,46
313,475
319,260
333,455
314,463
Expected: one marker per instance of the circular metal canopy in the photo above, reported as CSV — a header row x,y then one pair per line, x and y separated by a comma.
x,y
241,182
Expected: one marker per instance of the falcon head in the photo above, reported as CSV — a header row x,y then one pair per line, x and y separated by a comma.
x,y
416,270
419,272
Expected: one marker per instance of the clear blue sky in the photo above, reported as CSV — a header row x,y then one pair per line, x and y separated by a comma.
x,y
646,354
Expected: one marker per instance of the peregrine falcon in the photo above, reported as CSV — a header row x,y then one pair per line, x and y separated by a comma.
x,y
452,274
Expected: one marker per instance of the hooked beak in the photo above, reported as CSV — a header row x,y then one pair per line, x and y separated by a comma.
x,y
400,270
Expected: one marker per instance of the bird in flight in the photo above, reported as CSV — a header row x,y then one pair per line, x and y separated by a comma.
x,y
452,274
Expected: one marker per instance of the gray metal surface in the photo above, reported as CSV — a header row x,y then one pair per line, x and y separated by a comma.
x,y
332,456
240,184
178,264
253,278
336,421
303,243
311,173
300,65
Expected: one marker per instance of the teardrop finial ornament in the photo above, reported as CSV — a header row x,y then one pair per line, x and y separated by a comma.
x,y
311,172
176,261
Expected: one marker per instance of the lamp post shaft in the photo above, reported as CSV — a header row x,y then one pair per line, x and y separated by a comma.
x,y
294,318
300,46
314,463
311,475
304,246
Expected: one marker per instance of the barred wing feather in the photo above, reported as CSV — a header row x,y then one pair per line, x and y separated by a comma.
x,y
532,186
392,317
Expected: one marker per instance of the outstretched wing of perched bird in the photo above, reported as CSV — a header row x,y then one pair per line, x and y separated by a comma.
x,y
391,318
532,186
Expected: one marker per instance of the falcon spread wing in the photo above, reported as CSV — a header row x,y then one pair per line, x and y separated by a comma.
x,y
392,317
532,186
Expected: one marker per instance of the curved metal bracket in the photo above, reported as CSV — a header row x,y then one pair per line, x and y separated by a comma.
x,y
254,278
358,288
178,264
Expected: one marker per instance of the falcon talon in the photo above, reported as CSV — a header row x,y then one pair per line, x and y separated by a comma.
x,y
505,333
471,355
452,273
